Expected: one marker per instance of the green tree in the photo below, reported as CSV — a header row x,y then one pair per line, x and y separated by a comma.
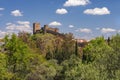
x,y
95,48
17,53
103,57
74,69
4,73
67,48
40,69
45,42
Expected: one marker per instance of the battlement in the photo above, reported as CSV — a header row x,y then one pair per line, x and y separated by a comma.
x,y
45,29
49,29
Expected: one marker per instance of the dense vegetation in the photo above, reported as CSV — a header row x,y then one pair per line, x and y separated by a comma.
x,y
49,57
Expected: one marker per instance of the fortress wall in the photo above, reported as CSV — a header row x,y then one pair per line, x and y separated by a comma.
x,y
36,27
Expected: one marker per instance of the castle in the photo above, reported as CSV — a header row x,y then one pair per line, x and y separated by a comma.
x,y
55,31
46,29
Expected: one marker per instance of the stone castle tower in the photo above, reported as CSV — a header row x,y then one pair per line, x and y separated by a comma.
x,y
46,29
36,27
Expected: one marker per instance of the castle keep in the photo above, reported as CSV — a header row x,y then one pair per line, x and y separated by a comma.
x,y
36,27
46,29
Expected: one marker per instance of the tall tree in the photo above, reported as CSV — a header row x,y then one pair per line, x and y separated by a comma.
x,y
17,52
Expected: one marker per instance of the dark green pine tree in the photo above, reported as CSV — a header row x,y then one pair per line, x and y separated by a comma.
x,y
76,48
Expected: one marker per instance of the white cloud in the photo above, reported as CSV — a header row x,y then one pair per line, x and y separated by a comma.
x,y
107,30
97,28
61,11
23,22
97,11
2,34
16,27
84,30
11,26
16,13
71,26
55,23
19,26
119,31
1,9
69,3
8,23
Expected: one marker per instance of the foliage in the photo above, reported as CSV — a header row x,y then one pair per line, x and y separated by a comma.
x,y
104,57
50,57
74,69
4,73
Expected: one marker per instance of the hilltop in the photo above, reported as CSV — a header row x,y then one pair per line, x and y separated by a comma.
x,y
48,56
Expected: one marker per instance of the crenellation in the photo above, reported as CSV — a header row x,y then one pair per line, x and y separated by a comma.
x,y
45,29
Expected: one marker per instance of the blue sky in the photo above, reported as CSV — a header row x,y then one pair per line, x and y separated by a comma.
x,y
86,19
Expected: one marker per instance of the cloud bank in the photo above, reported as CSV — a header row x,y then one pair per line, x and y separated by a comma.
x,y
107,30
97,11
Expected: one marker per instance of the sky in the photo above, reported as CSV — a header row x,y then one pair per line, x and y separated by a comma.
x,y
86,19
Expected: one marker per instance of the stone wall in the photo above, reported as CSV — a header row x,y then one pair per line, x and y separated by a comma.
x,y
46,29
36,27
